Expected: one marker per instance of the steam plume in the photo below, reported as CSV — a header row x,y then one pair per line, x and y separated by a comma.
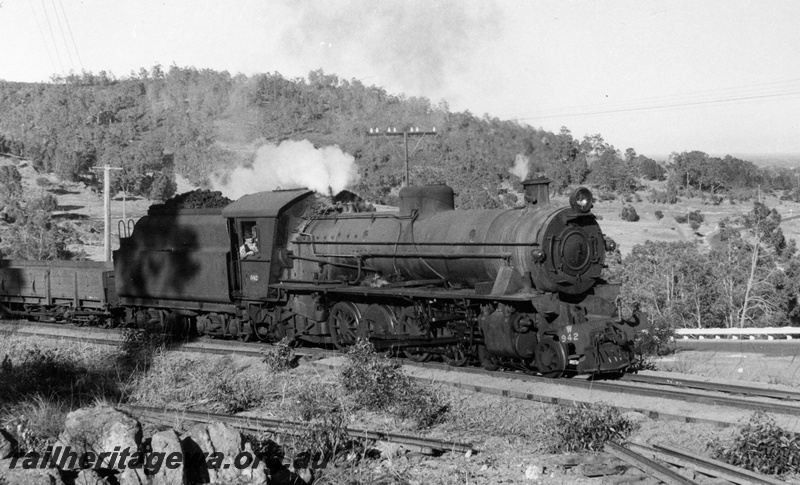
x,y
292,164
520,168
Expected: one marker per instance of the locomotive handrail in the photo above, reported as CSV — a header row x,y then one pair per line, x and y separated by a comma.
x,y
363,215
420,255
407,243
325,261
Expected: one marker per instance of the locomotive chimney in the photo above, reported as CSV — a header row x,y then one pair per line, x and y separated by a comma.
x,y
426,200
537,191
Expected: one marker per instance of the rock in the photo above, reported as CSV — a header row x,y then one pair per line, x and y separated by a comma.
x,y
223,444
7,444
533,472
90,432
636,418
30,476
90,477
169,472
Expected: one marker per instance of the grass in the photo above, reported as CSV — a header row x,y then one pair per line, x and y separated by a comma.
x,y
221,384
42,381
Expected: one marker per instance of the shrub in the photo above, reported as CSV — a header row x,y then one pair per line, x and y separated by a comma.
x,y
380,385
696,216
629,214
694,225
655,341
659,215
762,446
587,427
681,219
140,345
281,357
43,182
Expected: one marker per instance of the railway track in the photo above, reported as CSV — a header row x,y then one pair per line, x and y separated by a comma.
x,y
749,398
280,426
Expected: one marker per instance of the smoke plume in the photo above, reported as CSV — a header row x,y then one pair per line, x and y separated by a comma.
x,y
291,165
416,46
520,168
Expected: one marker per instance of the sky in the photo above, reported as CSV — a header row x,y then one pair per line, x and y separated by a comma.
x,y
718,76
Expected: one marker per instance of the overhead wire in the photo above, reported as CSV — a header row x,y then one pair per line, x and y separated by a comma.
x,y
763,91
72,37
63,37
44,39
683,97
53,37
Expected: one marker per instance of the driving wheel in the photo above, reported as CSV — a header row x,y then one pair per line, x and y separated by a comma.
x,y
344,323
409,326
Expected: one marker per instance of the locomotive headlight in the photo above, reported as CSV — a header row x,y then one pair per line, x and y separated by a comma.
x,y
538,256
581,200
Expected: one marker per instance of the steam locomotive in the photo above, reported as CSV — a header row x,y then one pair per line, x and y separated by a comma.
x,y
519,287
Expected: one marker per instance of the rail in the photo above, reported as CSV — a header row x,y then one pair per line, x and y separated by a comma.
x,y
770,333
294,427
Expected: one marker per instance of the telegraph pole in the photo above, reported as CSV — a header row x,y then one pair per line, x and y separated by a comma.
x,y
107,207
405,134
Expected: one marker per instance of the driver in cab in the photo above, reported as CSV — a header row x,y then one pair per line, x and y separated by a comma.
x,y
249,248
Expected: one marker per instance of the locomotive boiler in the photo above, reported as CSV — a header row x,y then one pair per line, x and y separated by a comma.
x,y
519,287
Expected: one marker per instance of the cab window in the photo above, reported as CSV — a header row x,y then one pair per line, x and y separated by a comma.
x,y
249,247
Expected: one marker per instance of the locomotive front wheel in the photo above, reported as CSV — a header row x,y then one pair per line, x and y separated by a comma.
x,y
551,359
344,322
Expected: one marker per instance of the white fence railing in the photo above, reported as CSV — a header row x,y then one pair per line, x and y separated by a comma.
x,y
769,333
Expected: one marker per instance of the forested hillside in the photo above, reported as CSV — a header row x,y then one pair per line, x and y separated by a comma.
x,y
201,122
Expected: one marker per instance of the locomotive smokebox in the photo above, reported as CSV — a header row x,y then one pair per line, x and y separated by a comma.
x,y
537,191
426,200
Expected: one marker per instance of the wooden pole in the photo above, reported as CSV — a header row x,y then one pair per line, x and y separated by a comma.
x,y
107,209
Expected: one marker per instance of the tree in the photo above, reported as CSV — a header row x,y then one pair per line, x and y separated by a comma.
x,y
650,169
10,183
765,234
34,235
609,172
671,281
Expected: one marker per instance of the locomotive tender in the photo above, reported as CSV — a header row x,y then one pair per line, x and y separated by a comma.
x,y
515,286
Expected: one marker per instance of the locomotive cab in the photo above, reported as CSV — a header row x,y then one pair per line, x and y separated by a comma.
x,y
258,226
